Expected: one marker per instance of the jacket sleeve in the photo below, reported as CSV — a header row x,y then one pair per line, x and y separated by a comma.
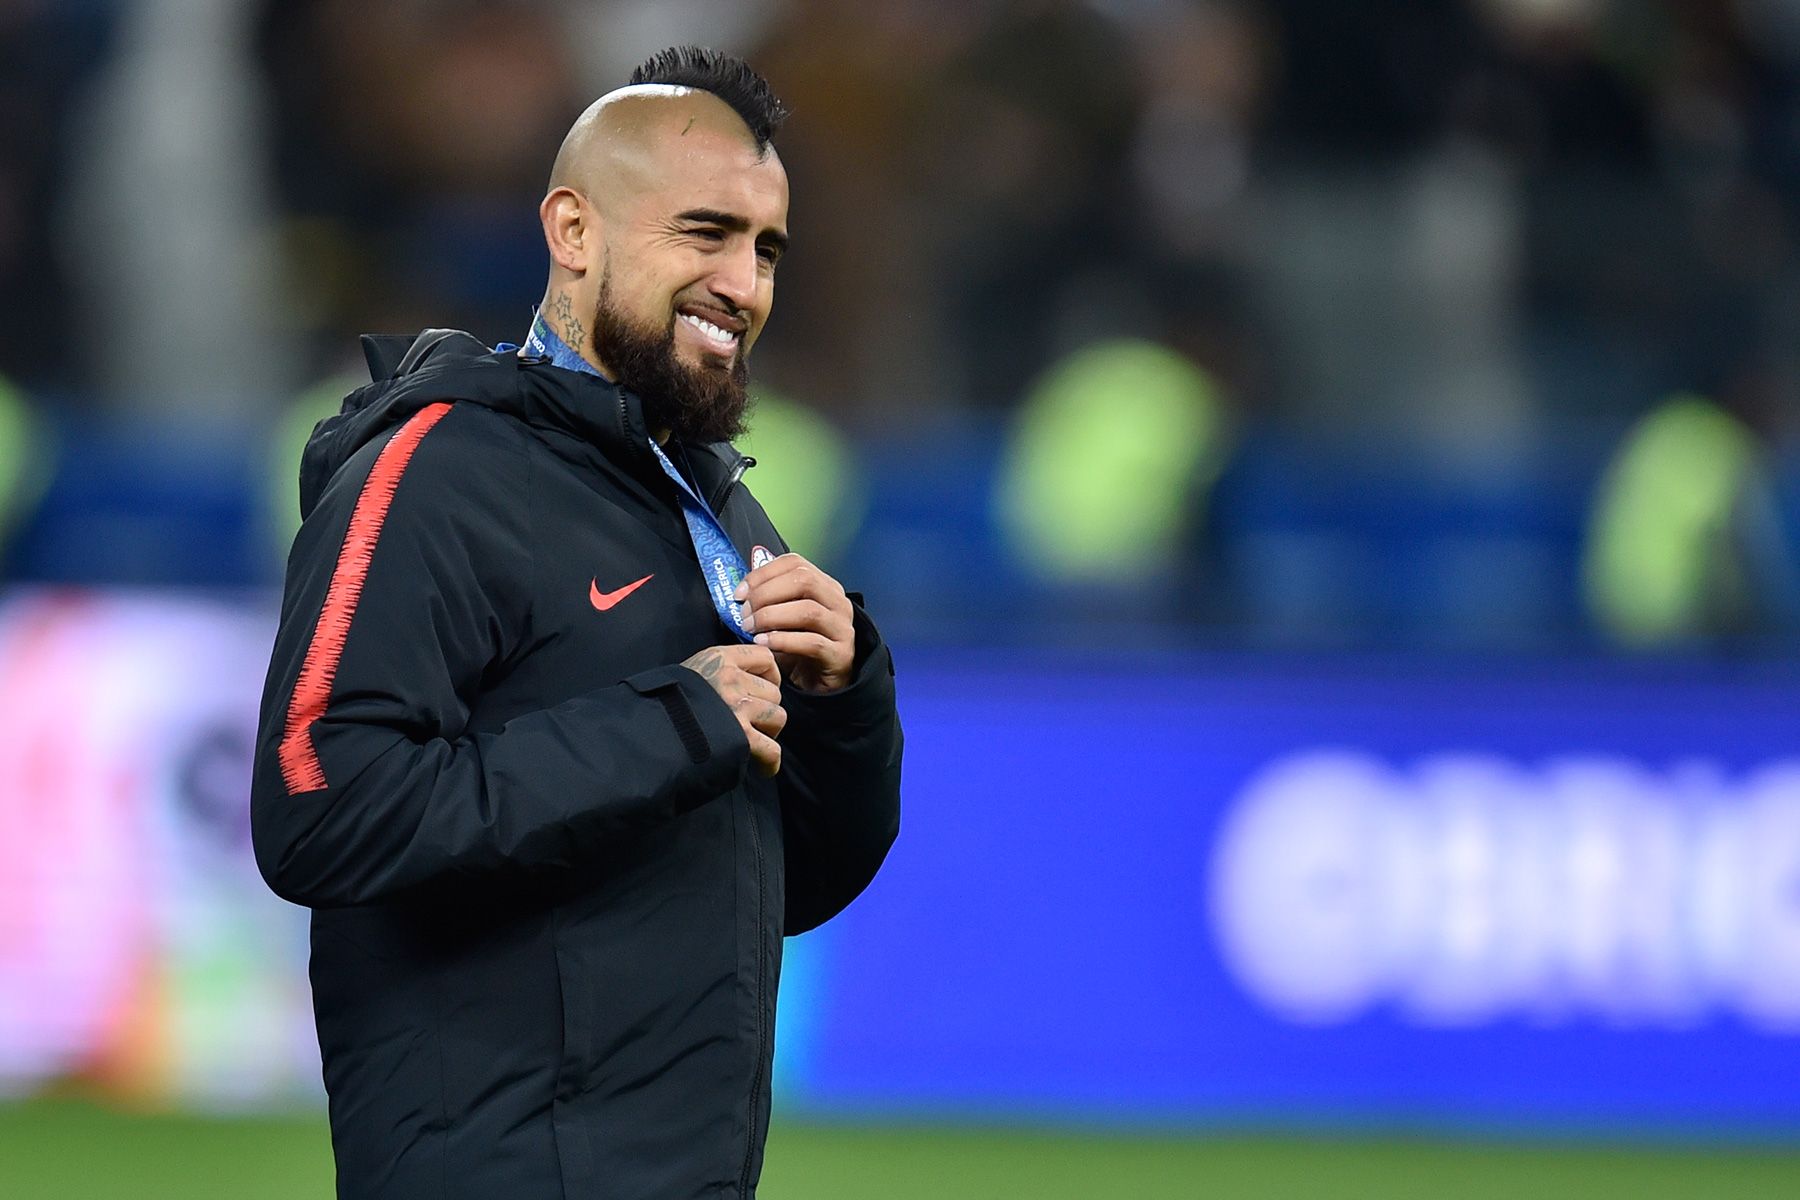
x,y
839,785
408,585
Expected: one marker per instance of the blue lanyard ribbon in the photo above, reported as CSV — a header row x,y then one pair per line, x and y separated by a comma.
x,y
719,559
720,563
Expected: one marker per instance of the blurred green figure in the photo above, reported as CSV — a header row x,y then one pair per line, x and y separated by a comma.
x,y
812,488
1111,454
26,453
1684,542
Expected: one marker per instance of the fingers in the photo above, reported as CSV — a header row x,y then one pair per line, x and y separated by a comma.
x,y
804,616
791,577
796,615
760,662
746,688
765,752
760,715
752,660
813,646
765,718
747,679
737,670
773,569
791,595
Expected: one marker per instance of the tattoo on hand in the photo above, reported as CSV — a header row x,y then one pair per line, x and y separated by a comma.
x,y
562,311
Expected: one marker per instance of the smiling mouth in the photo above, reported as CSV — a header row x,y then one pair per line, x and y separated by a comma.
x,y
724,340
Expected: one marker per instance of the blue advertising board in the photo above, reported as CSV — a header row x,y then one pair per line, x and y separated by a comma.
x,y
1344,894
1250,890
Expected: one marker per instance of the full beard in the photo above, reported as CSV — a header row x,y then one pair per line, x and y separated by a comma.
x,y
695,404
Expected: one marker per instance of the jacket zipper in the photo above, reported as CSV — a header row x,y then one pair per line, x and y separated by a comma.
x,y
743,464
762,1007
719,500
723,496
625,421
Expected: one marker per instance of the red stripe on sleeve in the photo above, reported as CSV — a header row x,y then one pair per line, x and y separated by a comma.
x,y
300,769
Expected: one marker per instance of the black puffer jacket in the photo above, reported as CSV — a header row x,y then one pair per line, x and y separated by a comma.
x,y
548,895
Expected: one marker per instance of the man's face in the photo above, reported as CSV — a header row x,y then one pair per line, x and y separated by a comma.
x,y
689,280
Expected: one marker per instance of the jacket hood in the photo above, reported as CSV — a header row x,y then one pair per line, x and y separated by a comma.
x,y
410,372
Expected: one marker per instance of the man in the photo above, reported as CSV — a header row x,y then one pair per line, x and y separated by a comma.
x,y
553,768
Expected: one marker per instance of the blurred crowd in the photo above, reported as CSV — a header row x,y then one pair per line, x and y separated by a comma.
x,y
1286,322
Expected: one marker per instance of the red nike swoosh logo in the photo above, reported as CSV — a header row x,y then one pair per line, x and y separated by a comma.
x,y
605,600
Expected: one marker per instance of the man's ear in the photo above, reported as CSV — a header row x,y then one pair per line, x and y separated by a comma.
x,y
570,229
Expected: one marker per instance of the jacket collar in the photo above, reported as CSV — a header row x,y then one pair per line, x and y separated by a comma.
x,y
439,364
716,467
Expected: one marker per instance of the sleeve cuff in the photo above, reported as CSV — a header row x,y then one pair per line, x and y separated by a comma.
x,y
707,729
868,698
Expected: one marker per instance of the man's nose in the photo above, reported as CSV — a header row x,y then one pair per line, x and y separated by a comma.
x,y
735,279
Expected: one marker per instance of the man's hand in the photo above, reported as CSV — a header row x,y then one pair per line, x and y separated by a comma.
x,y
747,680
803,615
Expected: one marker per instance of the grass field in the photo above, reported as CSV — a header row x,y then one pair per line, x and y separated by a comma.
x,y
64,1150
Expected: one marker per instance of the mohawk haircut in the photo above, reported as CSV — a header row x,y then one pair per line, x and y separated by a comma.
x,y
730,79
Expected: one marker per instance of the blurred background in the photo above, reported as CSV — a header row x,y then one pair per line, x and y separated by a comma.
x,y
1331,473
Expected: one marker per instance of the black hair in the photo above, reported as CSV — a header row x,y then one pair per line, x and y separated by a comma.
x,y
730,79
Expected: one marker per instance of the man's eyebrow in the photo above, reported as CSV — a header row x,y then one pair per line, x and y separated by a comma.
x,y
733,222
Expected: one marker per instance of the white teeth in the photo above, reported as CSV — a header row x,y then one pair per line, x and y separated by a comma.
x,y
710,330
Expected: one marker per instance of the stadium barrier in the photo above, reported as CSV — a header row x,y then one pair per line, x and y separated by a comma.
x,y
1244,889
